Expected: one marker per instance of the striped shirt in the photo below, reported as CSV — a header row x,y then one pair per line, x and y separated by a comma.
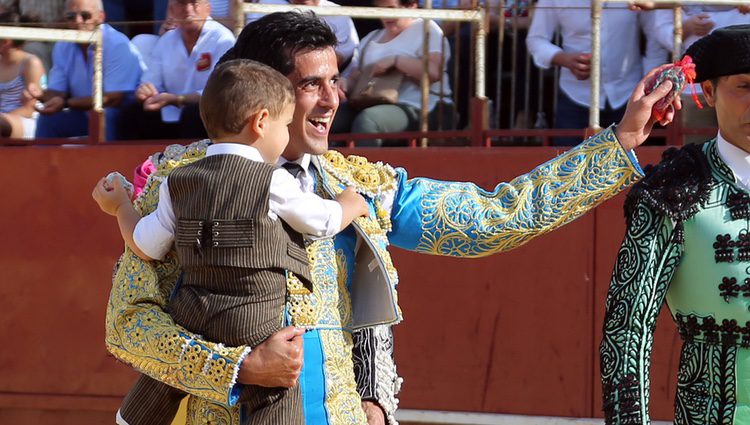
x,y
11,94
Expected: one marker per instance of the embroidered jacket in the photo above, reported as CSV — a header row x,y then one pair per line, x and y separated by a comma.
x,y
687,243
349,319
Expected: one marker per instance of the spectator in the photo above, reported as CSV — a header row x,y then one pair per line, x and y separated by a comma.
x,y
179,66
516,11
145,42
343,27
697,21
398,46
620,60
18,71
67,100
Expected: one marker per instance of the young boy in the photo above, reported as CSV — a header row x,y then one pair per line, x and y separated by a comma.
x,y
221,213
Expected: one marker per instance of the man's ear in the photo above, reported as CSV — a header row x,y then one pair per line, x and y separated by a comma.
x,y
259,122
709,92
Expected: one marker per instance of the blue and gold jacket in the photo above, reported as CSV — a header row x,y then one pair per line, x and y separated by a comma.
x,y
354,298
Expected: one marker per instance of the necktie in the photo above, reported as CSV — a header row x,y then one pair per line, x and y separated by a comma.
x,y
293,168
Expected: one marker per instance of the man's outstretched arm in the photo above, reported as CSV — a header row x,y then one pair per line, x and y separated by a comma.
x,y
463,220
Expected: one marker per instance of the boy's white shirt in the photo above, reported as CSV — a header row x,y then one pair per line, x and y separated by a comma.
x,y
306,213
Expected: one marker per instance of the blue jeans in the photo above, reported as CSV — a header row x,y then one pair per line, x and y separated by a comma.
x,y
572,115
74,123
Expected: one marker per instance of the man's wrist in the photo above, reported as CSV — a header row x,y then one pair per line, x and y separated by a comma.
x,y
374,403
180,101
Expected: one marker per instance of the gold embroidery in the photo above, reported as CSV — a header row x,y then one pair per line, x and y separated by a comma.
x,y
371,179
462,220
203,412
299,303
332,306
343,404
375,228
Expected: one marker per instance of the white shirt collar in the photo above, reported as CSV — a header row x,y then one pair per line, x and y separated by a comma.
x,y
303,161
738,160
244,151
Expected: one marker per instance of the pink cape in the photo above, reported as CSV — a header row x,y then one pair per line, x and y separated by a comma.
x,y
140,175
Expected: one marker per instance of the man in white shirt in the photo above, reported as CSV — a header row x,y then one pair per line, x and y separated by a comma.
x,y
342,26
620,61
179,66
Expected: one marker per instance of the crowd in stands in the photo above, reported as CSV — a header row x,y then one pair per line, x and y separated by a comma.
x,y
153,75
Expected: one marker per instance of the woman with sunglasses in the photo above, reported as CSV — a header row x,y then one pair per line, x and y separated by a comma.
x,y
397,49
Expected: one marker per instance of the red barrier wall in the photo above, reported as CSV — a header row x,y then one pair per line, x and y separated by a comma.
x,y
512,333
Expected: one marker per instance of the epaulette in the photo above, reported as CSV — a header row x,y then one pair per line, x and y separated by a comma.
x,y
368,178
164,162
177,155
676,187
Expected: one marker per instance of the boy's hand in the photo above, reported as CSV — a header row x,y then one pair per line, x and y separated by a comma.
x,y
350,199
110,197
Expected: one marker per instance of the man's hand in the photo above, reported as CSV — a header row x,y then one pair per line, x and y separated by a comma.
x,y
699,25
374,413
158,101
144,91
638,121
637,6
54,105
578,63
276,362
31,92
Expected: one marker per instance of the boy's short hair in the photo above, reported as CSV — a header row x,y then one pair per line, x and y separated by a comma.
x,y
239,88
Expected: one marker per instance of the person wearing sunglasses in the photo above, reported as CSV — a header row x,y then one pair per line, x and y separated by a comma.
x,y
66,103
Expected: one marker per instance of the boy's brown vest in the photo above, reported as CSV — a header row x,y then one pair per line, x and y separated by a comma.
x,y
233,255
234,258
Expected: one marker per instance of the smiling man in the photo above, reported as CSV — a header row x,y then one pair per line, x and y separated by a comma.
x,y
688,243
348,375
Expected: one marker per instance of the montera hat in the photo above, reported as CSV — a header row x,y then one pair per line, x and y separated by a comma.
x,y
725,51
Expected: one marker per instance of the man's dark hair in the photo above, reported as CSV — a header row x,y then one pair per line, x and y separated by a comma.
x,y
276,38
